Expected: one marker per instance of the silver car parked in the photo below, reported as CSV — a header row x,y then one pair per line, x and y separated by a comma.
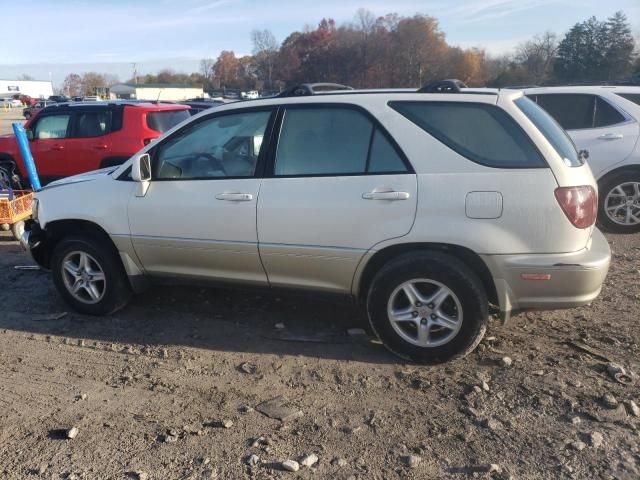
x,y
428,207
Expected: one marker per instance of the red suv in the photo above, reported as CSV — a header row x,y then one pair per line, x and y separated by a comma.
x,y
71,138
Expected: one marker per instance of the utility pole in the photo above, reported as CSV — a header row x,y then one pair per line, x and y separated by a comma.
x,y
135,73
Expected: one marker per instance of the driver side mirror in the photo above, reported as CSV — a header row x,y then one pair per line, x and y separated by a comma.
x,y
29,134
141,173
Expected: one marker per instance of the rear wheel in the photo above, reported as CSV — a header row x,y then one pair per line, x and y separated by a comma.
x,y
428,307
619,203
88,274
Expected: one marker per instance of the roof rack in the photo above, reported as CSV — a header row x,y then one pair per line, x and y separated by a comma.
x,y
443,86
305,89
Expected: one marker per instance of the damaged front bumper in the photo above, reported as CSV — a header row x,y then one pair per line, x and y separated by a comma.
x,y
32,241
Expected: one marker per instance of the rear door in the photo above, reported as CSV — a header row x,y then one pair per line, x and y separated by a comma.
x,y
337,185
595,125
90,139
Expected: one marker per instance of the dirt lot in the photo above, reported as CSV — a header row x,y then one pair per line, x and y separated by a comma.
x,y
150,389
9,117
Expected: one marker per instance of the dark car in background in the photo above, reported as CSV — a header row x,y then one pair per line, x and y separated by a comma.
x,y
198,105
28,112
58,98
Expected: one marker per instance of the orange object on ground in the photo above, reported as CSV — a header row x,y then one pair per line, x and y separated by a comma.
x,y
13,211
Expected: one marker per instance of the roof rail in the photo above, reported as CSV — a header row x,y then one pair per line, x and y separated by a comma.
x,y
305,89
443,86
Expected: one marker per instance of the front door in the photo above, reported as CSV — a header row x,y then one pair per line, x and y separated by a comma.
x,y
198,216
338,186
48,146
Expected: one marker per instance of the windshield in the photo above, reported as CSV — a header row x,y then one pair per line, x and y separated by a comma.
x,y
166,120
553,132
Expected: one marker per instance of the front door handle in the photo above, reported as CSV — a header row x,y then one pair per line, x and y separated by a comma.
x,y
58,147
611,136
101,147
388,195
235,197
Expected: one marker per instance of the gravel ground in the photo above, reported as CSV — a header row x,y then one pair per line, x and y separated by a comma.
x,y
9,117
170,388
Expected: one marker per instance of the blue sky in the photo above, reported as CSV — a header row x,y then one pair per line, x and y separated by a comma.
x,y
107,35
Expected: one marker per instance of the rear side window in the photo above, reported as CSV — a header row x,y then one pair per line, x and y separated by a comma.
x,y
556,136
576,111
571,111
93,124
632,97
166,120
483,133
333,141
383,157
606,115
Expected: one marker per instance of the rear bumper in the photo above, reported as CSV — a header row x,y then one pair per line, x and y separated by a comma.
x,y
569,279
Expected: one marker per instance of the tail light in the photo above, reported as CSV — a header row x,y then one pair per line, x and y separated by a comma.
x,y
579,204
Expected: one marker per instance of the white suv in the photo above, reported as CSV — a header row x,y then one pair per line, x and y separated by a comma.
x,y
605,121
426,208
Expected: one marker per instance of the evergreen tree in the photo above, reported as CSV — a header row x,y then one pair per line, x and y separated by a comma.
x,y
596,51
619,47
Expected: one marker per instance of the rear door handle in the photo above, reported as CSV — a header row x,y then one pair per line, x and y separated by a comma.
x,y
235,197
611,136
389,195
58,147
101,147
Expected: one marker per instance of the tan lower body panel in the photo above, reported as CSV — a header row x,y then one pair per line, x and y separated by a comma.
x,y
318,268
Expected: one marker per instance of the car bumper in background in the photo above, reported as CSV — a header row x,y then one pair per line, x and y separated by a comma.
x,y
550,281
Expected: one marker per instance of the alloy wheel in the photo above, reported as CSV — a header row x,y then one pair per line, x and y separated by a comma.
x,y
83,277
622,204
425,313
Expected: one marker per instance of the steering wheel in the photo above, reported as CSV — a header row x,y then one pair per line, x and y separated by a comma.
x,y
215,161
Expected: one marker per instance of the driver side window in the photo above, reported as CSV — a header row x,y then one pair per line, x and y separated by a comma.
x,y
220,147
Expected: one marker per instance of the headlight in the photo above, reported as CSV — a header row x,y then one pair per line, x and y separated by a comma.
x,y
34,208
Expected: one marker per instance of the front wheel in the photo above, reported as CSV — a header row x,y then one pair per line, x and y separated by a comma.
x,y
17,229
428,307
619,203
89,275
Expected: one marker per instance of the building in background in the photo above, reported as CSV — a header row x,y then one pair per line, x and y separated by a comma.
x,y
32,88
156,91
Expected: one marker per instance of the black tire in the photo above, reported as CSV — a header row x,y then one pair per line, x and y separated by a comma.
x,y
117,290
17,229
8,174
606,185
451,273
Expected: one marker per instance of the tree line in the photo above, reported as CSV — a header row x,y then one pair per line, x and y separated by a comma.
x,y
405,51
